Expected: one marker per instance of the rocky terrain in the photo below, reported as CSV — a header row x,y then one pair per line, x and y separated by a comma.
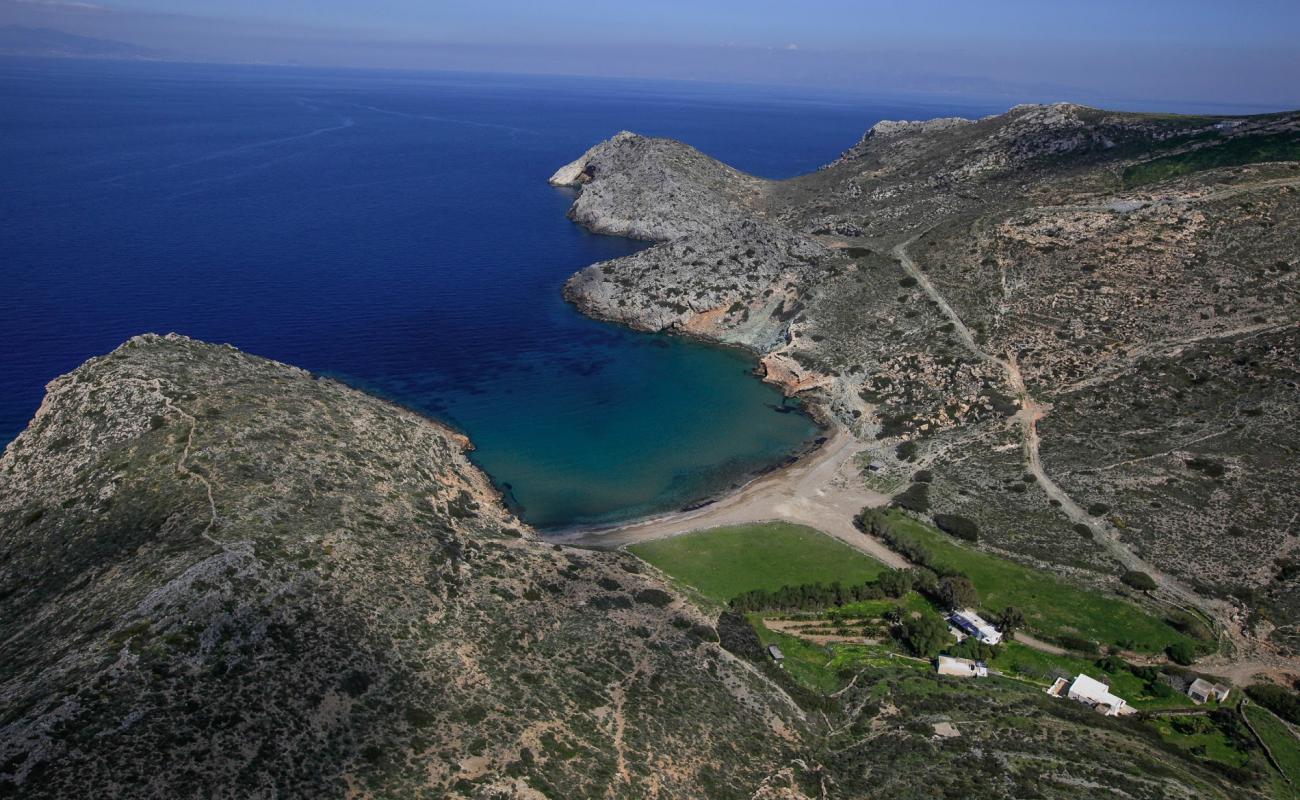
x,y
221,576
225,577
1083,323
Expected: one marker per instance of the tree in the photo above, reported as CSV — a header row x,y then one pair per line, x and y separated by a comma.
x,y
895,582
925,634
1009,621
1181,653
916,497
1138,580
956,591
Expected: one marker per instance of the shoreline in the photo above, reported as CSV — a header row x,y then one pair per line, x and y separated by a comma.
x,y
820,490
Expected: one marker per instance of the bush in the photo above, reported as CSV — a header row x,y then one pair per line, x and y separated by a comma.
x,y
1138,580
957,591
906,451
1181,653
915,498
923,476
924,635
958,526
1097,509
895,582
1083,530
1190,625
655,597
1278,699
1078,644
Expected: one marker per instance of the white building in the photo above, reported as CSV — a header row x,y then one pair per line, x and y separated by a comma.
x,y
972,624
1096,694
961,667
776,655
1202,691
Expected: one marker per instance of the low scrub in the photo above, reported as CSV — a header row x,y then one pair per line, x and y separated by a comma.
x,y
957,525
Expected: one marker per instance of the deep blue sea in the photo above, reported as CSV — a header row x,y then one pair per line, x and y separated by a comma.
x,y
396,231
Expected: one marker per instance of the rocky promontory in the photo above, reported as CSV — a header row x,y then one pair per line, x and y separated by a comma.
x,y
225,577
949,288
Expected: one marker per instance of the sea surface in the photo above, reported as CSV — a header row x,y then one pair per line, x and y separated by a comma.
x,y
396,231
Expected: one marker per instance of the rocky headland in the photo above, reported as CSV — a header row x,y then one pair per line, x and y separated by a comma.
x,y
1082,322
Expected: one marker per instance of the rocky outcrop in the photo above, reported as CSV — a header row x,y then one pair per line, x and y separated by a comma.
x,y
274,585
655,189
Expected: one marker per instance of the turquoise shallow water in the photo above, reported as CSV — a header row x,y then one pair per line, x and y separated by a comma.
x,y
394,230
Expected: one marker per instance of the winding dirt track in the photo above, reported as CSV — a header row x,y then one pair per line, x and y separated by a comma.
x,y
1248,656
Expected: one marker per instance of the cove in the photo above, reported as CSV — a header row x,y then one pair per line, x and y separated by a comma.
x,y
394,230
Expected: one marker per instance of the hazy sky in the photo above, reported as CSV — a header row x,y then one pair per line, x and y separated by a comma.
x,y
1164,51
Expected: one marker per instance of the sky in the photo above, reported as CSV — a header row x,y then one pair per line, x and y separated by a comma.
x,y
1162,52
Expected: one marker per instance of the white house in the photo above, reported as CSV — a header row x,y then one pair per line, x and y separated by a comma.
x,y
972,624
961,667
1202,691
1096,694
775,653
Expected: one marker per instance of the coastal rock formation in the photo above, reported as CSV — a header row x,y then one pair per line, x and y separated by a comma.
x,y
1008,295
223,576
655,189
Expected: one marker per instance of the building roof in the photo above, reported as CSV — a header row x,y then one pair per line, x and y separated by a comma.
x,y
775,652
1094,691
1202,687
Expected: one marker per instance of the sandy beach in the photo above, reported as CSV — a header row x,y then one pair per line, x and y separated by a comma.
x,y
822,490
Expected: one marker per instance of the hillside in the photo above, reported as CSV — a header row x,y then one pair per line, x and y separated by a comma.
x,y
289,588
1084,323
224,577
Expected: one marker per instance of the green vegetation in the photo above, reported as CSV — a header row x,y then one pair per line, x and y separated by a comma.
x,y
724,562
1138,580
1278,699
1283,744
1230,153
1216,738
958,526
1141,687
1050,606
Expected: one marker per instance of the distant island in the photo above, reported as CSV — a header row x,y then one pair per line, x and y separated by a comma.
x,y
1059,351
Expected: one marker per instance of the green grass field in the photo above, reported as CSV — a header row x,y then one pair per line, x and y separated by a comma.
x,y
1284,746
1200,737
1050,606
1231,153
721,563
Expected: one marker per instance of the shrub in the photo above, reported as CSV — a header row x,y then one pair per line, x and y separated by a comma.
x,y
1078,644
1097,509
924,635
655,597
957,591
1278,699
1190,625
906,451
1181,653
1138,580
895,582
1010,620
958,526
1083,530
915,498
923,476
